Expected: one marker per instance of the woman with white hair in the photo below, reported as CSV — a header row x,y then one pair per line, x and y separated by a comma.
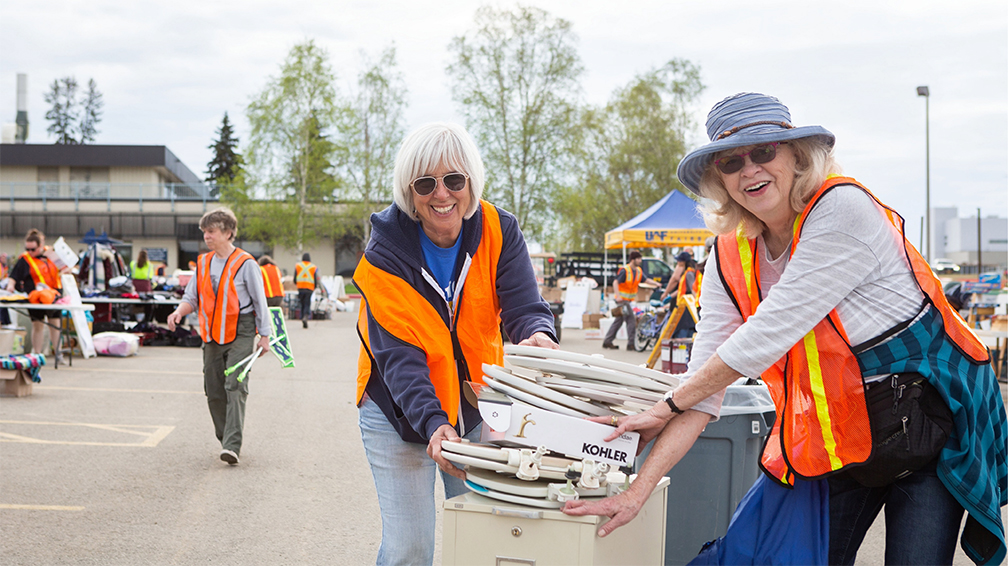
x,y
442,270
884,398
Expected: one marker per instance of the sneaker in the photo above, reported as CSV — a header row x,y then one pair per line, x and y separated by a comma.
x,y
60,360
610,346
229,456
304,324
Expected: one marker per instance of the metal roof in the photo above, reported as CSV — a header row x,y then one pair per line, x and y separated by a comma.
x,y
66,155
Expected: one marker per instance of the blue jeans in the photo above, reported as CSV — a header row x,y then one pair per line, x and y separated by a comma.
x,y
404,477
922,518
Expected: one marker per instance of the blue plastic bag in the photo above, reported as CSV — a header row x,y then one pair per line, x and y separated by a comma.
x,y
775,525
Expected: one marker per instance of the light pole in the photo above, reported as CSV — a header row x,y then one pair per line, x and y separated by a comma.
x,y
923,91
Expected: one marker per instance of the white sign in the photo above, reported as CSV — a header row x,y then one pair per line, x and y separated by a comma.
x,y
571,436
78,316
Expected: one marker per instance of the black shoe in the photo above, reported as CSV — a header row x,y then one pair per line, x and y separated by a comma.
x,y
304,324
610,346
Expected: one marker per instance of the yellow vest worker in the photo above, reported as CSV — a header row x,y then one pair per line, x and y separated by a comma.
x,y
306,279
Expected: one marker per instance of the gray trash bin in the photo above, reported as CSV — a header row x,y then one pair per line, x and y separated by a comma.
x,y
713,477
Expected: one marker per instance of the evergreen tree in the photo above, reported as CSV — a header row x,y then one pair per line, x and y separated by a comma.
x,y
226,162
73,118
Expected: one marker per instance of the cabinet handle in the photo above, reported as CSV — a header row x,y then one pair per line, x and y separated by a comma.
x,y
505,512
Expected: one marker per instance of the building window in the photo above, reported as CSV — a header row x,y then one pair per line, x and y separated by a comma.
x,y
48,182
89,182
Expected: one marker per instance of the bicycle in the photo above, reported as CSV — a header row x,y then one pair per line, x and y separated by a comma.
x,y
650,323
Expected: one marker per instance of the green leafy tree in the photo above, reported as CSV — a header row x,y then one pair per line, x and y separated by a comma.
x,y
226,162
287,119
516,76
630,150
370,131
73,116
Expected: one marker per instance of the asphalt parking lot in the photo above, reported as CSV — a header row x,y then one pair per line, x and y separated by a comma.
x,y
113,461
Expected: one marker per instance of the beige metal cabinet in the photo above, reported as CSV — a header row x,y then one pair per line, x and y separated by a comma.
x,y
479,530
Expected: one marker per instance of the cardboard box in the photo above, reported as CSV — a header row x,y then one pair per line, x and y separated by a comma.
x,y
16,383
6,342
514,423
644,293
551,294
591,320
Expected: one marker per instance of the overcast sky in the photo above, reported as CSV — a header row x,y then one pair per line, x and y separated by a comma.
x,y
169,70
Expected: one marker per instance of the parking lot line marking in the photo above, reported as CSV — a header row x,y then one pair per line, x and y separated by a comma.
x,y
115,390
133,371
40,507
151,438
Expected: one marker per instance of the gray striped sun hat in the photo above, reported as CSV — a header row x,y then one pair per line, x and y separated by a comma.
x,y
747,118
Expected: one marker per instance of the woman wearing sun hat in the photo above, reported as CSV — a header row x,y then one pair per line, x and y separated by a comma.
x,y
854,310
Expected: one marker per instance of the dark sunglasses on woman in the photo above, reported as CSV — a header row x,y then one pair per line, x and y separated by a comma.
x,y
454,182
760,154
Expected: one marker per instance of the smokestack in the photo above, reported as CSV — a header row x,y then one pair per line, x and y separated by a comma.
x,y
22,109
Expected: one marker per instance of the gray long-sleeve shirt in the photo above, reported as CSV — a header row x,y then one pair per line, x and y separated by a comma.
x,y
850,258
248,285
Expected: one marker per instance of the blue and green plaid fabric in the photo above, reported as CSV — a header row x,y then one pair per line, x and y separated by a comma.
x,y
973,465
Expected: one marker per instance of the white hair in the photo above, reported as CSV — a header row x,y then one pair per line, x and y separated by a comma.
x,y
428,147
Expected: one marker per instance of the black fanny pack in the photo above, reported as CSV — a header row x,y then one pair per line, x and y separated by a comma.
x,y
910,423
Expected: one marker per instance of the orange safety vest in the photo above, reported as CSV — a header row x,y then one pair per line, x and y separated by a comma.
x,y
271,280
695,289
304,275
218,311
402,311
43,270
822,421
628,289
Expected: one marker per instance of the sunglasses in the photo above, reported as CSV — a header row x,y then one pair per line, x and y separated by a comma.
x,y
454,182
760,154
30,250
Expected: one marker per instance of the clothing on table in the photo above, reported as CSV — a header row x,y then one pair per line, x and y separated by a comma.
x,y
409,373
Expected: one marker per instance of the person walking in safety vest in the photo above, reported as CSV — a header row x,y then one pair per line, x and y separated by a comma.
x,y
628,278
307,280
685,280
227,293
37,276
441,272
884,396
272,281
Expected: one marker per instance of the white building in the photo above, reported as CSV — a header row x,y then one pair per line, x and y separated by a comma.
x,y
955,238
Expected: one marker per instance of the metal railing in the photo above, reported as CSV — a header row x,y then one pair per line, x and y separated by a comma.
x,y
91,191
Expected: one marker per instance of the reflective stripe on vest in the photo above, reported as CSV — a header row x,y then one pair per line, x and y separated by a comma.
x,y
304,275
404,312
218,311
43,270
271,280
628,289
822,419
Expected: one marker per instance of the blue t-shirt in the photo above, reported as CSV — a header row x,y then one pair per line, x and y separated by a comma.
x,y
441,262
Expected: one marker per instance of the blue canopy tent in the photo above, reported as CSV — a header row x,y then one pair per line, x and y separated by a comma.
x,y
674,220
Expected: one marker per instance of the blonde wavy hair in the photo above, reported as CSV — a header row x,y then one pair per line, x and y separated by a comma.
x,y
814,162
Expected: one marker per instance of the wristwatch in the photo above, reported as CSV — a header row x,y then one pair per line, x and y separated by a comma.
x,y
671,404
